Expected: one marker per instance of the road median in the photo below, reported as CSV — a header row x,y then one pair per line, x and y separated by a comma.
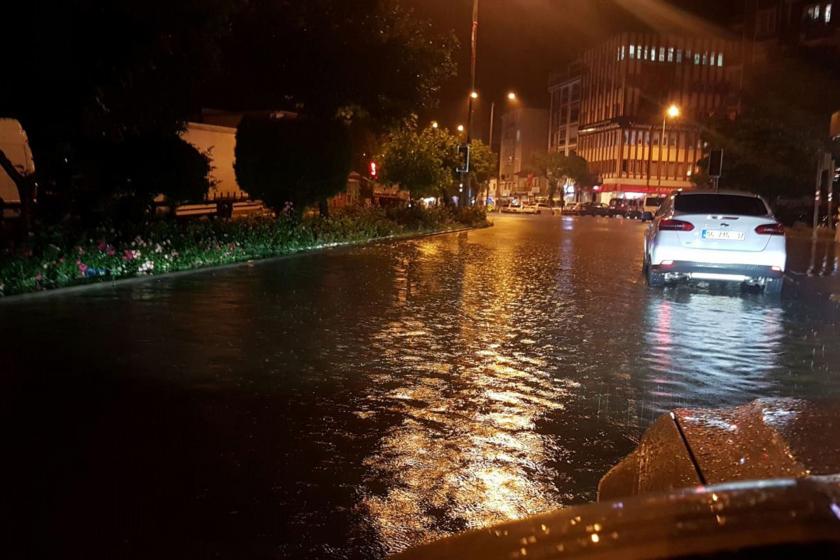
x,y
58,260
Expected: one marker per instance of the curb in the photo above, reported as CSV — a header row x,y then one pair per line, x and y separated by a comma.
x,y
166,275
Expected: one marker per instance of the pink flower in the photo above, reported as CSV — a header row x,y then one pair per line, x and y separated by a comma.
x,y
82,267
110,251
129,255
102,246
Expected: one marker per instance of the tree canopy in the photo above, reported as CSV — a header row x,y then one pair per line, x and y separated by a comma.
x,y
294,161
558,168
420,161
772,145
366,58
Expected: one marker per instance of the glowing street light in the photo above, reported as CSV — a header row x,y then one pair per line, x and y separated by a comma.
x,y
461,128
435,124
474,95
672,112
512,98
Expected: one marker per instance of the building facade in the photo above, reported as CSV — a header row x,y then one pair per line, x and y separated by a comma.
x,y
564,113
524,136
626,84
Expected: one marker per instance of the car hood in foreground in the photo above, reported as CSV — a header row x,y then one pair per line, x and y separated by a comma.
x,y
767,438
774,518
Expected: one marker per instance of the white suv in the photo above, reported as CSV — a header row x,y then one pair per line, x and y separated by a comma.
x,y
729,236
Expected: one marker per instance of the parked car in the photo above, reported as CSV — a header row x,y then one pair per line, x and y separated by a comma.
x,y
594,209
721,236
509,206
528,208
625,208
757,481
572,209
650,205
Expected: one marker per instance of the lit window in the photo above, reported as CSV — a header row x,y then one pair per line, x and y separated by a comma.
x,y
622,52
670,54
632,52
696,58
713,58
679,56
705,59
653,54
720,59
828,13
661,54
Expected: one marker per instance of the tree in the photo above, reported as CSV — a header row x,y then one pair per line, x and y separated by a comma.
x,y
483,165
422,162
772,145
292,161
558,168
362,59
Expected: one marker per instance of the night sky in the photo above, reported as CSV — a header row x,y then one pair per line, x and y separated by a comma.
x,y
522,41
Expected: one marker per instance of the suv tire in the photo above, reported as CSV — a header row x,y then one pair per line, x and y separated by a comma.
x,y
773,286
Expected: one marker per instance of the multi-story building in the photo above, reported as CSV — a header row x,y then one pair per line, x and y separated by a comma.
x,y
769,24
524,135
564,112
626,85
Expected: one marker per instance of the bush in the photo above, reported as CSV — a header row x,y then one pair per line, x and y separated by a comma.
x,y
56,259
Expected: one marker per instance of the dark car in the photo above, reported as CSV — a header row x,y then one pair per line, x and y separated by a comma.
x,y
756,481
625,208
594,209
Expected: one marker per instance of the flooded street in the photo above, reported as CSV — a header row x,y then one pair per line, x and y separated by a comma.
x,y
350,404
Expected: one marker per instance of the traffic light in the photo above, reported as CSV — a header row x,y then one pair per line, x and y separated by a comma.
x,y
464,158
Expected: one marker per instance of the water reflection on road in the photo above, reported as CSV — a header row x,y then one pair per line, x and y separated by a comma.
x,y
354,403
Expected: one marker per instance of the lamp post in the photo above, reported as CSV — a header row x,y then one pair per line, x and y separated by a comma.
x,y
673,112
511,97
473,96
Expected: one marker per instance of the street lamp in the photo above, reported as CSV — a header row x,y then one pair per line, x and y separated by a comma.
x,y
435,124
672,112
461,128
474,95
512,98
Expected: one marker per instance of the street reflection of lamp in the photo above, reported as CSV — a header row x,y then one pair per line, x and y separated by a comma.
x,y
672,112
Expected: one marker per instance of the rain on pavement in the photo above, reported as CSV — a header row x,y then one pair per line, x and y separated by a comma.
x,y
355,402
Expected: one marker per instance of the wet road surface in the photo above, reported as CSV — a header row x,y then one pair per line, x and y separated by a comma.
x,y
353,403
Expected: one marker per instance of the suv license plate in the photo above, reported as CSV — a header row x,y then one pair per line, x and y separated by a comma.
x,y
728,235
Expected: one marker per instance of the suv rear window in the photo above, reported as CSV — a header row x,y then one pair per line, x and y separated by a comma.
x,y
719,204
654,201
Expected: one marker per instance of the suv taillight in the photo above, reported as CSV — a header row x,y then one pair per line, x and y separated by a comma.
x,y
770,229
675,225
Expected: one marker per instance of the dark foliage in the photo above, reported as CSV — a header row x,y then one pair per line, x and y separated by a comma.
x,y
292,161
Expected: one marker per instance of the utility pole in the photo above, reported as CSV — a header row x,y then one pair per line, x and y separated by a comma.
x,y
492,121
473,56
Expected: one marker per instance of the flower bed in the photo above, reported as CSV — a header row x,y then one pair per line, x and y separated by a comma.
x,y
52,261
